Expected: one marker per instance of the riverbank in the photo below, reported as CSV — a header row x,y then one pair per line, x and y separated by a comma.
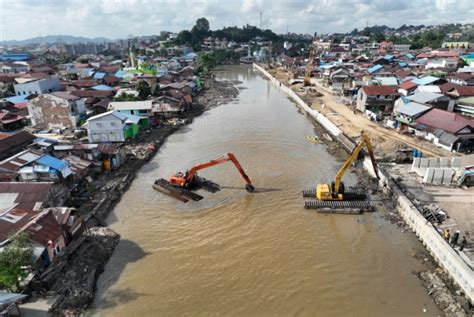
x,y
449,299
71,280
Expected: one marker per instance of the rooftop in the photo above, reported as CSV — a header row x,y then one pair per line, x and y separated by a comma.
x,y
447,121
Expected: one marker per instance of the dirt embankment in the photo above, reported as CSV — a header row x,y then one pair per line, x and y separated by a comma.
x,y
73,276
390,145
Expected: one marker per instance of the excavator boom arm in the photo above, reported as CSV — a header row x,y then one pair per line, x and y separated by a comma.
x,y
229,157
365,140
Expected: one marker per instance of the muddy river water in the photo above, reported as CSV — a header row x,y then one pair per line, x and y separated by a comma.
x,y
259,254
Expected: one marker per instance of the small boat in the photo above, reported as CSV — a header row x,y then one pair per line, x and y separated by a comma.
x,y
313,138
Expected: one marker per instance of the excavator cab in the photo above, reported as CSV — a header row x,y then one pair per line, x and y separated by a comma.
x,y
177,179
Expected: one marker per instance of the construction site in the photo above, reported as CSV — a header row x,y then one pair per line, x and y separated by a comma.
x,y
291,200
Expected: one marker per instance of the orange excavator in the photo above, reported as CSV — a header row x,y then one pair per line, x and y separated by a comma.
x,y
181,185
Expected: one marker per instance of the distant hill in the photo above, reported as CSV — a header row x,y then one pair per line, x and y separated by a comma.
x,y
51,39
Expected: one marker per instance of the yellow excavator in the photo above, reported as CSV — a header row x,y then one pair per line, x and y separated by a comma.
x,y
335,197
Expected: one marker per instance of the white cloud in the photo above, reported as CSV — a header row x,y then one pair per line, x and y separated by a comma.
x,y
20,19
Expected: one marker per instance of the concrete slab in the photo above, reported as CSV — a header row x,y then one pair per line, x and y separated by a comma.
x,y
428,176
438,176
456,162
416,163
444,162
448,176
424,162
434,162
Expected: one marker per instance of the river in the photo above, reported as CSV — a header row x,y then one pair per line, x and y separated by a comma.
x,y
259,254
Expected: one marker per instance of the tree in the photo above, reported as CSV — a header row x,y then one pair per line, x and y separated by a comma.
x,y
126,97
157,92
143,89
201,27
16,255
184,37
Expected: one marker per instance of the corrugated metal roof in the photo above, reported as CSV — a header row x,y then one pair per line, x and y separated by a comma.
x,y
102,87
447,121
412,109
374,68
115,113
99,75
131,105
424,97
28,193
391,81
425,80
53,162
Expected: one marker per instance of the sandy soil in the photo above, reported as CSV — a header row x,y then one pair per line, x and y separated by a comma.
x,y
387,142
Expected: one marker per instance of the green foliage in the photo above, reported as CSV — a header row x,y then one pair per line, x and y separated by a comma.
x,y
126,97
17,254
209,60
157,92
144,90
432,39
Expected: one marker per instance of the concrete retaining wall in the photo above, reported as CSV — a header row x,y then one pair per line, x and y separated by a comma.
x,y
319,117
435,244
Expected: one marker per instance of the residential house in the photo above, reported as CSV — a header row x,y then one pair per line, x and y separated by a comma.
x,y
42,228
11,144
449,130
428,80
107,127
445,63
401,47
407,88
70,220
11,166
340,79
46,168
112,155
408,113
14,68
166,106
465,106
461,91
38,87
376,99
138,108
56,110
432,99
461,79
30,196
11,121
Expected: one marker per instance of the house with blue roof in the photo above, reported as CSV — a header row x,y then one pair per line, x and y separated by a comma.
x,y
375,69
46,168
102,87
427,80
99,75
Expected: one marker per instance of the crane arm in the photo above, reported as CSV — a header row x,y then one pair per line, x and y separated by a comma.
x,y
229,157
365,140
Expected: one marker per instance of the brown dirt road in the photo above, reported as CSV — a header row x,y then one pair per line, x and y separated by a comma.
x,y
386,141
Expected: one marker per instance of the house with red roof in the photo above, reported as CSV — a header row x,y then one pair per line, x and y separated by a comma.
x,y
449,130
377,99
407,88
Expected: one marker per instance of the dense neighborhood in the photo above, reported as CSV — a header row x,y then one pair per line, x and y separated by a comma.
x,y
74,115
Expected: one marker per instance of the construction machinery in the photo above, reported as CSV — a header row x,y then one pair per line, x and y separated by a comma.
x,y
309,67
182,185
335,197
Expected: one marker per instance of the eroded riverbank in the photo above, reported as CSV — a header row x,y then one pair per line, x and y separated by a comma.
x,y
240,254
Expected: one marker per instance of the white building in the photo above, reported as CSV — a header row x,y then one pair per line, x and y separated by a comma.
x,y
38,87
106,127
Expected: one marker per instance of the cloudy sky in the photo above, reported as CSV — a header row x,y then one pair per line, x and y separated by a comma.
x,y
21,19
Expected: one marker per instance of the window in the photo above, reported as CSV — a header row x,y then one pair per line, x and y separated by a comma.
x,y
113,124
98,124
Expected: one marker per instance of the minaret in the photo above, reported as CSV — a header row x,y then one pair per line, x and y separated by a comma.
x,y
132,58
